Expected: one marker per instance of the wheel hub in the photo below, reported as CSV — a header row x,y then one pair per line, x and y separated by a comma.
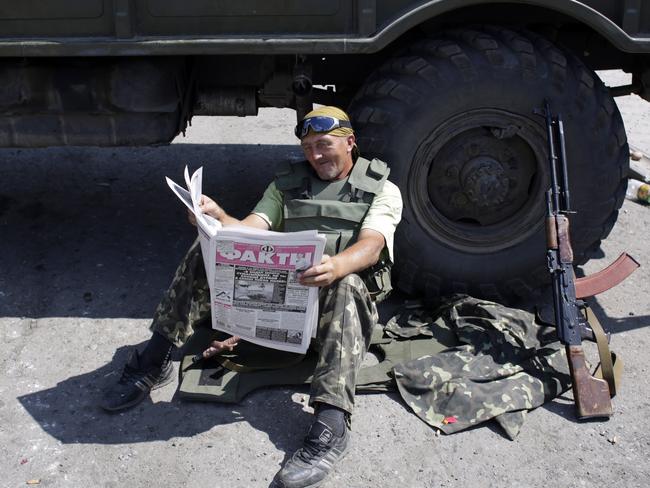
x,y
479,179
484,181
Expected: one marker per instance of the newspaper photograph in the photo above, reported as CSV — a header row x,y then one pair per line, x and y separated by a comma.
x,y
253,277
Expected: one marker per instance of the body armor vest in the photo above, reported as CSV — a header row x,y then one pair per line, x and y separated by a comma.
x,y
333,208
336,209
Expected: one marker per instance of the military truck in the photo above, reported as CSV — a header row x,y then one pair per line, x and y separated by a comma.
x,y
443,90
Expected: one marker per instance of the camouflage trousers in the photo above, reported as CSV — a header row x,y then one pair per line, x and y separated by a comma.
x,y
347,317
186,302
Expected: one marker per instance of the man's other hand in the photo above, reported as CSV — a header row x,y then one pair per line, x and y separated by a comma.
x,y
323,274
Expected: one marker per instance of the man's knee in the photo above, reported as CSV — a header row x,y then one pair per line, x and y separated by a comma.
x,y
352,280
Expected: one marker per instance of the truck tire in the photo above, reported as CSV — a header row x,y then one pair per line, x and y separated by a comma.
x,y
453,117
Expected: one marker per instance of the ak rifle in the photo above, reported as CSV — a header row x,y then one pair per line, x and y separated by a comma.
x,y
592,395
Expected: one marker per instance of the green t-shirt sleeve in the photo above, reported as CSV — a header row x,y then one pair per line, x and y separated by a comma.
x,y
270,207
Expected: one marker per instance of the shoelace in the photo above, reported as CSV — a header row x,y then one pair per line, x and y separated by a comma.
x,y
128,374
312,449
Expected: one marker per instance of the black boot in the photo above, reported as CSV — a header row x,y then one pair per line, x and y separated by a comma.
x,y
322,448
144,372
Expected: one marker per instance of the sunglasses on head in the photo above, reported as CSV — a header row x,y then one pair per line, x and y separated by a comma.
x,y
320,123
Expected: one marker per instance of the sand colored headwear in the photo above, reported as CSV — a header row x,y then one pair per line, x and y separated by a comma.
x,y
335,112
330,111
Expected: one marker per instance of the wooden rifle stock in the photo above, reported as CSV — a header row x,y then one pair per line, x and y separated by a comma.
x,y
591,395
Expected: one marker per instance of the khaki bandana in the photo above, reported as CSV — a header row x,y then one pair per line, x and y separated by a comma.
x,y
335,112
330,111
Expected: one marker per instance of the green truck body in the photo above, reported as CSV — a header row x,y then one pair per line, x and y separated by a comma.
x,y
443,90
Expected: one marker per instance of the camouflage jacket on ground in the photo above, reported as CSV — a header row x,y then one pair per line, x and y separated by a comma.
x,y
505,364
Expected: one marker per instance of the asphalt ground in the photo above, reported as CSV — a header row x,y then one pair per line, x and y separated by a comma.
x,y
89,239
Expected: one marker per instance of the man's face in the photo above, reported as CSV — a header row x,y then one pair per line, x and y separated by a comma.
x,y
330,156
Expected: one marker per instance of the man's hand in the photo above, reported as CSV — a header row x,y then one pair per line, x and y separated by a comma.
x,y
359,256
217,347
323,274
208,207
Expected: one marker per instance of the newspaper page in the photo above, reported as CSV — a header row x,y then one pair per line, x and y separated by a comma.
x,y
207,226
256,294
252,274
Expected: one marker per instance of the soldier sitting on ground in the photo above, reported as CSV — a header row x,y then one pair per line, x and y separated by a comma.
x,y
349,199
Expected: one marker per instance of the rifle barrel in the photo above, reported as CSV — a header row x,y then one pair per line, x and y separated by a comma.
x,y
563,164
552,158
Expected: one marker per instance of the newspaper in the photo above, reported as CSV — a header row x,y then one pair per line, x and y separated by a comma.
x,y
252,275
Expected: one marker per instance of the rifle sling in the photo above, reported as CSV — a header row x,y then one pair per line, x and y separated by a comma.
x,y
610,368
